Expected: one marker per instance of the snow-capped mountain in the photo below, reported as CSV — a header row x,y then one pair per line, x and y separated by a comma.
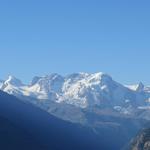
x,y
12,86
137,87
81,90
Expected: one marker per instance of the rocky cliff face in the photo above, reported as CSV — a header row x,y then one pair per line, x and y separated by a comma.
x,y
142,141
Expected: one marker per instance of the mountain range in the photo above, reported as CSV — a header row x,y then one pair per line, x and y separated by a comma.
x,y
94,102
25,126
82,90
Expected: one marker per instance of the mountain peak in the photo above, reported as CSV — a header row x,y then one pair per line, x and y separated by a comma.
x,y
102,75
46,79
35,80
140,87
13,81
137,87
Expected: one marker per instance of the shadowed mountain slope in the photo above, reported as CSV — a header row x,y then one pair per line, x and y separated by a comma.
x,y
36,128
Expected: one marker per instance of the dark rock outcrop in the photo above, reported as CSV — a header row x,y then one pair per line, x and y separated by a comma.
x,y
142,141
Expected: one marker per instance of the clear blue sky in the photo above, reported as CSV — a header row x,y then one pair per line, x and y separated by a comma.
x,y
39,37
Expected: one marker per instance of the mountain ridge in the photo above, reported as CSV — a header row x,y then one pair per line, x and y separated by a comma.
x,y
82,90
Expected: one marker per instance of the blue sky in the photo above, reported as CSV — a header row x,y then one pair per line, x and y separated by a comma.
x,y
39,37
